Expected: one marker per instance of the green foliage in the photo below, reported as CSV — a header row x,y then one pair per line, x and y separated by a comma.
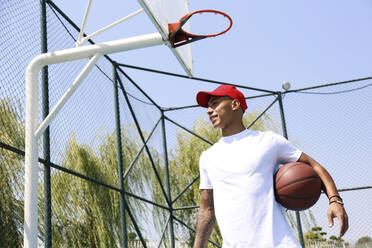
x,y
86,214
184,167
315,234
11,174
132,236
335,239
363,242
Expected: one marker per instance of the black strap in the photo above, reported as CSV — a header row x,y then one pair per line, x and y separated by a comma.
x,y
335,196
339,202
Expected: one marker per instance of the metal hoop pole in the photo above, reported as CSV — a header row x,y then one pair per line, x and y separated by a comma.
x,y
285,134
46,136
170,204
32,126
120,159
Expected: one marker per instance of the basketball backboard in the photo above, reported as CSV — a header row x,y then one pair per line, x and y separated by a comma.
x,y
163,12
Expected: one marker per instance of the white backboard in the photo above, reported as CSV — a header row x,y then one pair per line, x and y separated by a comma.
x,y
162,12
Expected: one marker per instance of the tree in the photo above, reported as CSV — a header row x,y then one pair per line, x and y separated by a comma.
x,y
319,238
86,214
315,234
364,242
335,239
183,164
11,174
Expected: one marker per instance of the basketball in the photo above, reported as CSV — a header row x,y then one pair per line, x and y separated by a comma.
x,y
297,186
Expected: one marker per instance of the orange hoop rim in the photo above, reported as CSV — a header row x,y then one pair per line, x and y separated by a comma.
x,y
188,16
178,36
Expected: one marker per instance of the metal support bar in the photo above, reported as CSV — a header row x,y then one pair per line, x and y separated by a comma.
x,y
184,224
145,200
120,160
43,161
163,232
58,12
82,40
188,130
32,111
46,136
284,125
186,188
186,208
76,174
197,106
136,227
69,92
139,88
195,78
143,139
179,108
263,112
140,151
168,179
331,84
85,19
354,188
285,134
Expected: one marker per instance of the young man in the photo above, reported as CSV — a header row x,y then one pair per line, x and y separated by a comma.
x,y
236,180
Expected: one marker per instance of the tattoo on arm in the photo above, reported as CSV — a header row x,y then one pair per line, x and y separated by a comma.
x,y
206,219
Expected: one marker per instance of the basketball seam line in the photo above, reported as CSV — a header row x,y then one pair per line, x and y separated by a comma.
x,y
302,179
293,197
285,171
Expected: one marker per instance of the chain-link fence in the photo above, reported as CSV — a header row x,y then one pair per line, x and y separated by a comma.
x,y
118,169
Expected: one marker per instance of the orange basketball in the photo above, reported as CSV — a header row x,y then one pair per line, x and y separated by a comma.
x,y
297,186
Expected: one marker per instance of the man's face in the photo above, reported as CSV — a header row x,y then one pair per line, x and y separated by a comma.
x,y
220,111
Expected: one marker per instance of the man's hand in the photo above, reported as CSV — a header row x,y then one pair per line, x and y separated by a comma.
x,y
337,210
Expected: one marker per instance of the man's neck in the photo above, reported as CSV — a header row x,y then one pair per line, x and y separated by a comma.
x,y
228,131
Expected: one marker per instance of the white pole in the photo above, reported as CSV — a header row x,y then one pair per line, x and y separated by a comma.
x,y
82,40
84,23
32,109
103,48
31,157
66,96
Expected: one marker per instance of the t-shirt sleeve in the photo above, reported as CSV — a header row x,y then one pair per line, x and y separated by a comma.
x,y
205,183
286,151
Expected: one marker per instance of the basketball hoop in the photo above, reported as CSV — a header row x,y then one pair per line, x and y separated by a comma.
x,y
179,37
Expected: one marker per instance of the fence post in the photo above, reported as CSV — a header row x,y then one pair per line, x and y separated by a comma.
x,y
170,205
120,159
46,136
285,134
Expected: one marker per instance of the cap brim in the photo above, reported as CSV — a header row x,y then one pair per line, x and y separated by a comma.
x,y
202,98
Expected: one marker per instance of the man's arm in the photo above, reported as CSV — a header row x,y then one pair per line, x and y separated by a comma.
x,y
206,219
335,209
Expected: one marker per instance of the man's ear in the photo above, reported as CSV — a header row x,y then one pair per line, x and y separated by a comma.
x,y
235,104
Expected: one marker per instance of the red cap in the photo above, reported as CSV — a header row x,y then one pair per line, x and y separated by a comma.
x,y
224,90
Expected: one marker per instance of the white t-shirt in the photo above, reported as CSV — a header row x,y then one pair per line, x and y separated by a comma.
x,y
240,168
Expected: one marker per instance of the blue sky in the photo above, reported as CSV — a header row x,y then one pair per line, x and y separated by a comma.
x,y
270,42
304,42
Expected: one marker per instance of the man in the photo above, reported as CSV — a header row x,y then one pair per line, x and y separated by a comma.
x,y
236,180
